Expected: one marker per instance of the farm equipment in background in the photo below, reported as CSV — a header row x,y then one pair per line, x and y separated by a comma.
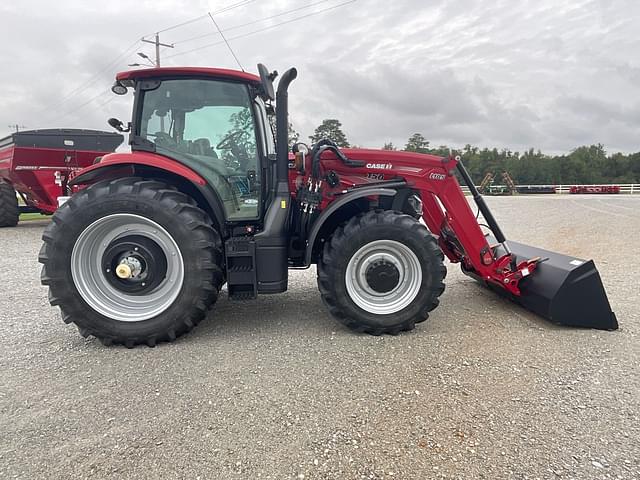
x,y
509,183
595,189
38,164
487,186
208,196
486,182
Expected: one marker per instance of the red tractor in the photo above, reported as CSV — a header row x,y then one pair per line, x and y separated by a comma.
x,y
207,197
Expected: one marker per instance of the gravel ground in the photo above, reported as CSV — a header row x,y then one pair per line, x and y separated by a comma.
x,y
277,389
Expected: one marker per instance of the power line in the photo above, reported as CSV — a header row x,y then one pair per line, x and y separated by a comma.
x,y
232,6
181,24
88,83
82,105
253,22
263,29
92,80
132,47
108,101
242,3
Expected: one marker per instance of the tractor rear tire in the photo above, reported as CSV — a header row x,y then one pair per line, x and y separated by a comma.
x,y
382,272
132,261
9,211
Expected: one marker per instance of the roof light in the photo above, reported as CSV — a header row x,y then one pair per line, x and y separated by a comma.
x,y
119,89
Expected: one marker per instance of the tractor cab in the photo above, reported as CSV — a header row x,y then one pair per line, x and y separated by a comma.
x,y
214,122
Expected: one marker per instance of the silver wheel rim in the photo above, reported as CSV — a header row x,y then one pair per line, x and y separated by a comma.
x,y
401,296
90,276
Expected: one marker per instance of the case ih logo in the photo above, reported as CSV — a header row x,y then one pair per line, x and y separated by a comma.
x,y
437,176
380,166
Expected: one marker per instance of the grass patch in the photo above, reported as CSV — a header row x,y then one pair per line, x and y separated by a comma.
x,y
25,217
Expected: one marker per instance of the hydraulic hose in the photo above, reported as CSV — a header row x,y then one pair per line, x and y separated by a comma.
x,y
477,197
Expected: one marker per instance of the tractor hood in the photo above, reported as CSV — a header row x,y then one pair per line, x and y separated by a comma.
x,y
371,160
391,156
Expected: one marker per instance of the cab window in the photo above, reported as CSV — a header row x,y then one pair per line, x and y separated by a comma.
x,y
209,126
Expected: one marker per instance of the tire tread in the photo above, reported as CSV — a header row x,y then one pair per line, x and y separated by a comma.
x,y
340,242
206,241
9,210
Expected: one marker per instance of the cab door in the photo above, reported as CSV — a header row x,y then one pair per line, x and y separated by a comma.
x,y
209,125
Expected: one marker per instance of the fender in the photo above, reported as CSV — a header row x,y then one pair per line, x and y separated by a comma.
x,y
89,174
334,207
148,164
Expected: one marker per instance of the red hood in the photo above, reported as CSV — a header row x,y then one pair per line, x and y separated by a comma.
x,y
399,157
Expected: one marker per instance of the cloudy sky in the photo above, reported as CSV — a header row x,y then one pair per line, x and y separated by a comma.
x,y
547,74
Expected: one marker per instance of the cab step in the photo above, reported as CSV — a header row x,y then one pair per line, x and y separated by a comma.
x,y
240,255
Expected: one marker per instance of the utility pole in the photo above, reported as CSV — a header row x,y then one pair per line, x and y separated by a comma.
x,y
16,127
157,43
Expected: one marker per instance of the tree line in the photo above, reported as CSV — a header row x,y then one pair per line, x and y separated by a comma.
x,y
588,164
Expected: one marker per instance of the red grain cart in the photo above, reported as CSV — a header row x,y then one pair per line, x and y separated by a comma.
x,y
595,189
38,164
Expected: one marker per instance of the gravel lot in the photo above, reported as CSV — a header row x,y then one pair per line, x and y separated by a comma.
x,y
277,389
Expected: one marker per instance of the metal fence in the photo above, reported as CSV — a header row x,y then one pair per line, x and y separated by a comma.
x,y
625,188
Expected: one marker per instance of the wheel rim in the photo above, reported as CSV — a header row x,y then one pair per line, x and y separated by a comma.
x,y
381,260
150,273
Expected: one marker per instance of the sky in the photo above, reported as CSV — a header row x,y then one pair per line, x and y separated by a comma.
x,y
516,74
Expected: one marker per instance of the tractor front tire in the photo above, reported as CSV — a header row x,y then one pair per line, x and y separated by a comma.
x,y
9,211
131,261
382,272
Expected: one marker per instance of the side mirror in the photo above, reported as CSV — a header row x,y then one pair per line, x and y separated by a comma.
x,y
117,124
300,147
300,151
266,81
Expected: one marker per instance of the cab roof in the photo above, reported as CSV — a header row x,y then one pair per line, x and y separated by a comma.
x,y
218,73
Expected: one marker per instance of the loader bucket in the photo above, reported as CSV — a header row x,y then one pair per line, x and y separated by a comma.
x,y
565,290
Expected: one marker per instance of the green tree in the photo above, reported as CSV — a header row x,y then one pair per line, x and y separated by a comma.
x,y
389,146
417,143
243,121
442,150
332,129
294,136
591,163
634,167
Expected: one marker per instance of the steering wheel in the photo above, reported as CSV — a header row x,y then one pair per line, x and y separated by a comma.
x,y
228,142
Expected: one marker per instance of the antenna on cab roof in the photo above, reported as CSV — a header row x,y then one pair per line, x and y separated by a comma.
x,y
226,42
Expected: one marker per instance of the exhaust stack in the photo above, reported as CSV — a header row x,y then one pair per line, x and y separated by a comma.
x,y
272,243
282,128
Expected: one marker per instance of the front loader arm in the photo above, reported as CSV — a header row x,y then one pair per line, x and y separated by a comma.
x,y
560,288
448,214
